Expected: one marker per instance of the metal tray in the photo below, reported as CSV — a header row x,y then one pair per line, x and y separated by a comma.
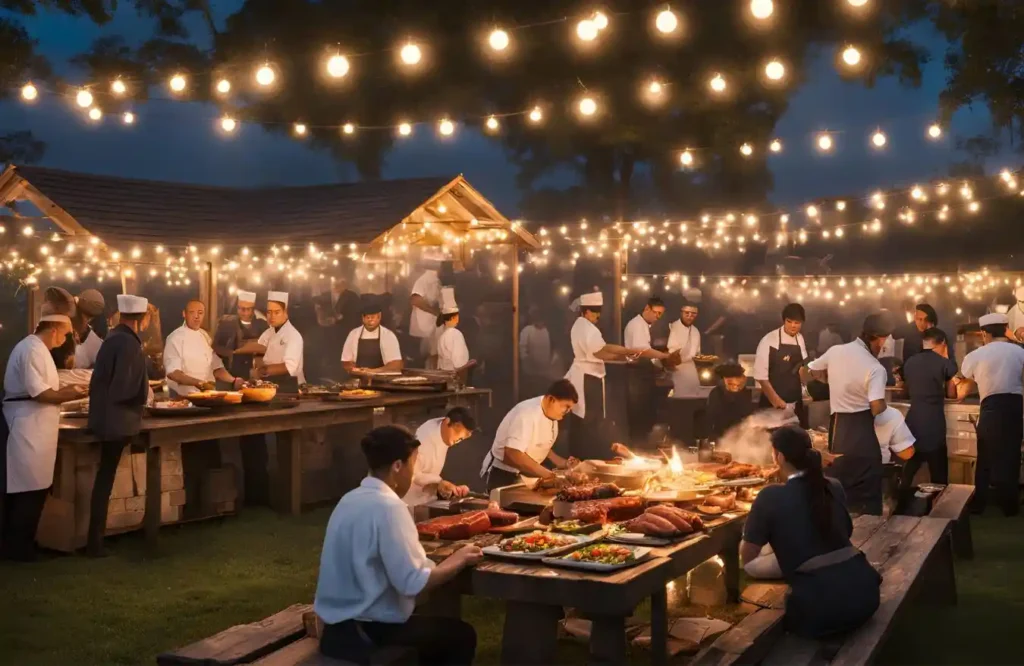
x,y
495,551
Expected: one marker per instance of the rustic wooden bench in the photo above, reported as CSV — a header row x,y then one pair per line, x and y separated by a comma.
x,y
915,558
954,504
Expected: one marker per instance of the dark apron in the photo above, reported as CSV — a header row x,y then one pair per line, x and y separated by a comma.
x,y
640,400
591,437
369,354
859,468
784,375
242,364
1000,431
811,608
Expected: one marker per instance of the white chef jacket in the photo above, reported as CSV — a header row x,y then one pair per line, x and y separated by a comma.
x,y
452,352
893,433
189,351
422,323
1016,317
997,368
389,349
535,350
888,348
85,353
525,429
284,346
586,340
32,443
769,342
429,463
855,377
638,335
372,565
74,377
686,340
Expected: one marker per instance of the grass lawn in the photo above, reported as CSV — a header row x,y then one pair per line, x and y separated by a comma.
x,y
126,608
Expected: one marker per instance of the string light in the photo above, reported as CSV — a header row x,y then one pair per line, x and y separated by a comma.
x,y
824,142
588,106
178,83
851,56
686,158
857,3
337,66
587,30
95,113
348,128
879,139
536,115
717,83
411,54
29,92
118,87
812,211
265,75
405,129
762,9
223,86
934,131
299,129
746,150
228,124
498,39
775,70
128,118
840,206
446,127
492,124
600,20
775,146
83,98
666,21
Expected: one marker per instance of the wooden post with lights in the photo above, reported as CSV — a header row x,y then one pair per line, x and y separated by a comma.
x,y
620,257
515,318
208,293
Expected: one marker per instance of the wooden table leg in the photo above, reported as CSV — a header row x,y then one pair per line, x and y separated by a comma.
x,y
608,640
659,627
963,542
531,633
289,472
153,475
730,555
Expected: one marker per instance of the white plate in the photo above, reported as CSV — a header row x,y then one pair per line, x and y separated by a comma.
x,y
639,553
495,551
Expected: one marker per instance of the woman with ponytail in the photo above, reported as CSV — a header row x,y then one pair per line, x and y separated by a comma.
x,y
833,588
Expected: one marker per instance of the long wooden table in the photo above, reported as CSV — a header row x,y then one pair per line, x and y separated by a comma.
x,y
285,423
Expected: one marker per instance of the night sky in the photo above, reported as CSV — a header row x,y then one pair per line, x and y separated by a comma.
x,y
177,141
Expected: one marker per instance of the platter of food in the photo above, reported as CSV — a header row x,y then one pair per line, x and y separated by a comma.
x,y
601,557
600,511
179,407
717,504
705,358
316,391
356,394
589,491
411,380
214,398
574,527
659,525
258,391
535,545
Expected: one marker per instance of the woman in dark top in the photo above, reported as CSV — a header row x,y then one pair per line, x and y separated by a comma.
x,y
730,402
833,588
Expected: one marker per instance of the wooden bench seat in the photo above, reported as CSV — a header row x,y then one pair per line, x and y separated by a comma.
x,y
243,643
954,504
306,652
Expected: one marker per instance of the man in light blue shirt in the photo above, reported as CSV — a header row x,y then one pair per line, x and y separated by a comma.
x,y
373,566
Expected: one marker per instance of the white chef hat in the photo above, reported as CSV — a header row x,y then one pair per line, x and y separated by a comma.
x,y
1019,293
591,300
129,304
278,296
64,319
247,297
448,304
993,319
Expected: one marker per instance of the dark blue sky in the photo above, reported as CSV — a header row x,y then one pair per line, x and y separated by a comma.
x,y
177,141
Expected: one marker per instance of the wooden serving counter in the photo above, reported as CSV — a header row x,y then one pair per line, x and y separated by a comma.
x,y
149,488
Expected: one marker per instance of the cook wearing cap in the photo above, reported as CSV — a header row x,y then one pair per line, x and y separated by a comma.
x,y
452,352
730,402
684,341
370,347
89,305
281,346
236,340
118,392
778,364
589,435
856,382
996,369
31,409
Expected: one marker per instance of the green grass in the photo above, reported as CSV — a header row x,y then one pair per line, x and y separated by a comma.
x,y
127,608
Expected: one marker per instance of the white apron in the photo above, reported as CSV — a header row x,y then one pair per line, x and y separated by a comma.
x,y
32,443
577,371
685,381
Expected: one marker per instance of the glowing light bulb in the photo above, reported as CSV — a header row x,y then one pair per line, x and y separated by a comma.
x,y
29,92
498,39
600,20
178,83
265,75
337,66
588,106
587,30
411,54
223,87
299,129
83,98
128,118
762,9
934,131
686,158
824,142
666,21
348,128
879,139
851,56
974,207
118,87
840,206
775,70
812,211
95,113
405,129
717,83
775,146
746,150
536,115
228,124
857,3
446,127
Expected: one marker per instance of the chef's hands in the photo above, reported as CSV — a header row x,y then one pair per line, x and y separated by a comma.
x,y
777,402
256,374
76,391
467,556
238,383
206,386
448,490
571,461
621,451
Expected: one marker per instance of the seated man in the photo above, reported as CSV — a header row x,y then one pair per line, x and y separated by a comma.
x,y
373,566
436,436
730,402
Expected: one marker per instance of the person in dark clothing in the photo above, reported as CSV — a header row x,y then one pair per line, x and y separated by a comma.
x,y
730,402
117,397
925,318
833,587
928,378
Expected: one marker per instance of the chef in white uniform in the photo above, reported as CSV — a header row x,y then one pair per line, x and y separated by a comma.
x,y
189,360
425,301
684,340
526,436
32,398
371,347
1015,315
281,345
89,304
452,352
589,432
436,436
641,374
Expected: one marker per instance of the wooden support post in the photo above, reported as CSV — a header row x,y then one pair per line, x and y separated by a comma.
x,y
129,278
208,293
659,627
289,472
619,259
515,320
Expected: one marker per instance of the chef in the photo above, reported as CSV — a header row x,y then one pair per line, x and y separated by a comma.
x,y
640,379
189,360
684,340
281,346
425,302
452,352
436,436
856,382
1015,315
118,392
90,305
588,432
235,332
31,406
997,368
371,347
526,436
778,364
925,318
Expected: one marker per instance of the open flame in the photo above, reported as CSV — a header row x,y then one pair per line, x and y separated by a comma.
x,y
675,463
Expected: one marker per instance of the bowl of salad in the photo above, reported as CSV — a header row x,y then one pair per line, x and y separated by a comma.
x,y
535,545
601,557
